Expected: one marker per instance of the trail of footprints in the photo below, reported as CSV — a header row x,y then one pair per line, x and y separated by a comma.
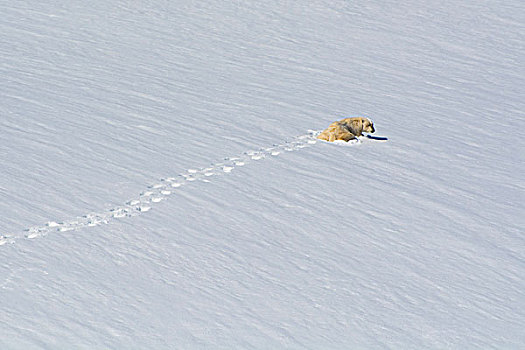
x,y
160,191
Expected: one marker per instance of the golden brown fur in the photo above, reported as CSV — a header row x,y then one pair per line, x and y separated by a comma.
x,y
347,129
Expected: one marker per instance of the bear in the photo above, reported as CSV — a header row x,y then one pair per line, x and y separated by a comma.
x,y
347,129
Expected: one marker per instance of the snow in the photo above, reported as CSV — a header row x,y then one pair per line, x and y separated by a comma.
x,y
160,187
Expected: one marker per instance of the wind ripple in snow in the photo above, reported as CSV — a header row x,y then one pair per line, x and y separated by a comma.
x,y
160,191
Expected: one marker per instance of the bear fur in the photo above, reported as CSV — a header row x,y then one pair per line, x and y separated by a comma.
x,y
347,129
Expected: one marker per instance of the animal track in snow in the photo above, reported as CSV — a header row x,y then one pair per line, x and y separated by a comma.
x,y
159,191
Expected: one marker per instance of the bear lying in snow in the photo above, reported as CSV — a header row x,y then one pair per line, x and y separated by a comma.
x,y
347,129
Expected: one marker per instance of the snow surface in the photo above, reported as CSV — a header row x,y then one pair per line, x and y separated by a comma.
x,y
416,242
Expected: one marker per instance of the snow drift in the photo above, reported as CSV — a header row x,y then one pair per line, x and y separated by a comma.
x,y
412,243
